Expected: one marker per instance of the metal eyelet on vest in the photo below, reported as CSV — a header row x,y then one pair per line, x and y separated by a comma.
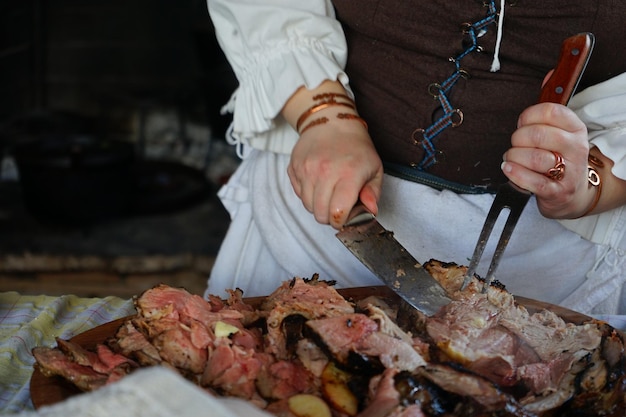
x,y
458,120
416,141
434,90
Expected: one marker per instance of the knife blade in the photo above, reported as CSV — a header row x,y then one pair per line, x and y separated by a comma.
x,y
381,253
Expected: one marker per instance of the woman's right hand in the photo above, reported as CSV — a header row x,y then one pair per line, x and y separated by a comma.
x,y
332,166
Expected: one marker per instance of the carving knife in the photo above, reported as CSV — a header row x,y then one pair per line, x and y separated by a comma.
x,y
378,249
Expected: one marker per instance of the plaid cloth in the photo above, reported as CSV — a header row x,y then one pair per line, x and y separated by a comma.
x,y
29,321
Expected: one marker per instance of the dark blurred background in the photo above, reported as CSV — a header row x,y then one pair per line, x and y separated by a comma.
x,y
112,142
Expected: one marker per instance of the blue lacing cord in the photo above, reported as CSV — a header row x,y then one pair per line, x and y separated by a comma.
x,y
451,116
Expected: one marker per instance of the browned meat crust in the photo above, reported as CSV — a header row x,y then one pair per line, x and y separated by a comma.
x,y
482,355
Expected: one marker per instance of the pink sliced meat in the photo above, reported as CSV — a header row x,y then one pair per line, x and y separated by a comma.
x,y
54,362
233,371
343,334
310,299
109,361
176,348
481,355
385,399
360,334
282,379
77,353
132,343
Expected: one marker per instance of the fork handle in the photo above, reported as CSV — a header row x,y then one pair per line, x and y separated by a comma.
x,y
575,53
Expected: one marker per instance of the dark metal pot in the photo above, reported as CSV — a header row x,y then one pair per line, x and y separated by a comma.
x,y
75,179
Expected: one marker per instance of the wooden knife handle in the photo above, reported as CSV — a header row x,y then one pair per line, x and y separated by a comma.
x,y
575,53
359,214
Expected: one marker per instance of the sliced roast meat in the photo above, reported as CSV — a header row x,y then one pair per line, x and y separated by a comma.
x,y
482,355
341,335
176,347
307,291
177,304
385,324
248,338
383,396
359,334
377,302
310,299
311,356
77,353
392,352
545,377
468,332
103,360
548,334
280,408
250,315
161,301
472,387
108,360
53,362
132,343
495,337
151,328
232,370
283,379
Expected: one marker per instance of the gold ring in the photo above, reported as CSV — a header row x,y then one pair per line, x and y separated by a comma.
x,y
558,171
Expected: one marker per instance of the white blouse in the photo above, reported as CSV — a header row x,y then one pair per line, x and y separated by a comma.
x,y
272,57
603,109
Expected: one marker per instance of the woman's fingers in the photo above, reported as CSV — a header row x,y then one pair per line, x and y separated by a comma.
x,y
548,126
330,167
549,158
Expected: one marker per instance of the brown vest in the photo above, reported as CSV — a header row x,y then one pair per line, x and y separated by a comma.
x,y
397,48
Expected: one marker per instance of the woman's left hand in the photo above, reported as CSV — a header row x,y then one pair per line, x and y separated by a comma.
x,y
545,132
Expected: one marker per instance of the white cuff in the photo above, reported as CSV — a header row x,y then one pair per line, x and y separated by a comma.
x,y
602,108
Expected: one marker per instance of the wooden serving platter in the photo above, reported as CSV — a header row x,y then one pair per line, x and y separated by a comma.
x,y
50,390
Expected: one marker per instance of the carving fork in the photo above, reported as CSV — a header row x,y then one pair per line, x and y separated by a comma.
x,y
575,52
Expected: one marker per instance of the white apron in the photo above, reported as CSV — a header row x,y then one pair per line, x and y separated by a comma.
x,y
272,238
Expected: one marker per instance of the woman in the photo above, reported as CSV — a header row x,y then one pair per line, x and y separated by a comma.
x,y
420,110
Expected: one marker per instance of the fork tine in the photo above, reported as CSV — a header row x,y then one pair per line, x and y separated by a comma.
x,y
509,196
490,221
516,207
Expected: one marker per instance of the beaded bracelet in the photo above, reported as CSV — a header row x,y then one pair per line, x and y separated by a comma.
x,y
594,181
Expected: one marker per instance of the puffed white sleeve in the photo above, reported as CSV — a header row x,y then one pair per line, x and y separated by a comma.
x,y
274,47
603,109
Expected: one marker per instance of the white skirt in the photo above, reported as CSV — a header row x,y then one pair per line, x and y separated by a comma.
x,y
272,238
